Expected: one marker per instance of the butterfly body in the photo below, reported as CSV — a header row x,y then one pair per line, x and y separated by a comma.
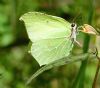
x,y
74,32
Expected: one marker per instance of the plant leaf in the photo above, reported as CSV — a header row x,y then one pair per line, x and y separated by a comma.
x,y
59,62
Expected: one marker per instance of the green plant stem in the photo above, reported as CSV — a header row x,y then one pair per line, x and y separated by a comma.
x,y
85,48
84,63
79,81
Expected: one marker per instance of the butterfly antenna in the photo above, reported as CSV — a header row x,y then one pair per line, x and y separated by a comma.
x,y
76,17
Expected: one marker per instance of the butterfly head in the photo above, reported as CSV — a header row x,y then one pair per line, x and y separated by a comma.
x,y
73,25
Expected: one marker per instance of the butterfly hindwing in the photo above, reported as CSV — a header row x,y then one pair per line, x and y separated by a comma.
x,y
49,50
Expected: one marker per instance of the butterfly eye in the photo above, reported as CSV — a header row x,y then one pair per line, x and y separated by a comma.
x,y
73,25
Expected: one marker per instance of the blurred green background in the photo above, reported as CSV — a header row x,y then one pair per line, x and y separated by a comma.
x,y
16,65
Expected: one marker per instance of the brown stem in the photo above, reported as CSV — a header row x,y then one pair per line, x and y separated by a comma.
x,y
96,75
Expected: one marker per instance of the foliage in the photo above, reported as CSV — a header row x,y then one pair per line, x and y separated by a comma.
x,y
16,65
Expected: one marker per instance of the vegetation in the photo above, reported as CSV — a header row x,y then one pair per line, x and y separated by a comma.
x,y
17,65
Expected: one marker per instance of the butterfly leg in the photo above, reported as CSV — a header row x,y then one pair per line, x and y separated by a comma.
x,y
75,41
78,43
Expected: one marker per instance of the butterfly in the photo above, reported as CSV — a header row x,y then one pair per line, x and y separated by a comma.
x,y
52,37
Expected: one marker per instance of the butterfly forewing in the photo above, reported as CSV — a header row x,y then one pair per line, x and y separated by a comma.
x,y
42,26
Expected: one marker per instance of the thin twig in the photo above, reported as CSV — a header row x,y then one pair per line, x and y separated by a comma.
x,y
97,71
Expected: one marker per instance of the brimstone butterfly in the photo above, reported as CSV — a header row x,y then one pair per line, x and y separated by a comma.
x,y
51,36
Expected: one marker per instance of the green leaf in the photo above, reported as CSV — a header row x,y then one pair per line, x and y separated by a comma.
x,y
59,62
49,36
